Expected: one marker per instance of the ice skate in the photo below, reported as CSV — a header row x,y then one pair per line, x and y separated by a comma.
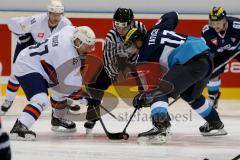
x,y
20,132
5,107
89,127
62,125
215,128
156,135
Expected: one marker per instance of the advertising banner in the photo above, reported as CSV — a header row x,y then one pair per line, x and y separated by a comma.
x,y
101,26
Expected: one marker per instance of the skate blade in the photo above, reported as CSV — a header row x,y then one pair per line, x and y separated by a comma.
x,y
153,140
16,137
219,132
62,129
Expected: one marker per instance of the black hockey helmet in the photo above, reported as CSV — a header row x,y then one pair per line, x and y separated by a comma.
x,y
134,36
217,14
123,15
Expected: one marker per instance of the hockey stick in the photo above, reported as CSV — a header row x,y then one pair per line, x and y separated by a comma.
x,y
123,134
112,115
112,136
125,128
223,64
174,101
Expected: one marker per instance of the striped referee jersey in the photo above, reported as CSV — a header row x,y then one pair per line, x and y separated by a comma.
x,y
113,48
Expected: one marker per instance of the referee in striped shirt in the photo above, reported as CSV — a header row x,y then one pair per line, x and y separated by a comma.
x,y
122,23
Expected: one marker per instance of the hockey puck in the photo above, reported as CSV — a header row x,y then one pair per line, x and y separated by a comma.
x,y
125,136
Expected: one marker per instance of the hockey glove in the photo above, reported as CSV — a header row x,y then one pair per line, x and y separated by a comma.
x,y
142,100
5,151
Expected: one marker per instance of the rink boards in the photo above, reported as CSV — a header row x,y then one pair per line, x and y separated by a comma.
x,y
188,24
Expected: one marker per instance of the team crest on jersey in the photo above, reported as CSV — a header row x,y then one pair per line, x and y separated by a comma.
x,y
233,39
236,25
40,35
214,41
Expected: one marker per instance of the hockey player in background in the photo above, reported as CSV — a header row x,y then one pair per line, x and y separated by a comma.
x,y
30,30
222,35
5,151
55,64
123,21
189,68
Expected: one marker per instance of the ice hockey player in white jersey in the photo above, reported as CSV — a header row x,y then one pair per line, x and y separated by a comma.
x,y
55,64
30,30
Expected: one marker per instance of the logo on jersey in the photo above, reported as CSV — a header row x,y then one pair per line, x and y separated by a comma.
x,y
33,21
233,39
205,28
40,35
236,25
226,47
214,41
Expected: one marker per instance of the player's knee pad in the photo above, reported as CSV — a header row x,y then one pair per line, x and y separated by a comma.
x,y
41,99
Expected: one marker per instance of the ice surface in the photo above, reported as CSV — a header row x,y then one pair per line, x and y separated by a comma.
x,y
185,143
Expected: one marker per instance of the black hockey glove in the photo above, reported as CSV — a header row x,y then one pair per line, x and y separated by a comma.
x,y
5,151
142,100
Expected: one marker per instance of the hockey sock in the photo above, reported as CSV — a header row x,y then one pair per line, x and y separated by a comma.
x,y
202,107
214,87
59,108
12,88
30,114
159,112
59,113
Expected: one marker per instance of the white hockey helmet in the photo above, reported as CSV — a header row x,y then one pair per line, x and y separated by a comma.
x,y
85,34
55,6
